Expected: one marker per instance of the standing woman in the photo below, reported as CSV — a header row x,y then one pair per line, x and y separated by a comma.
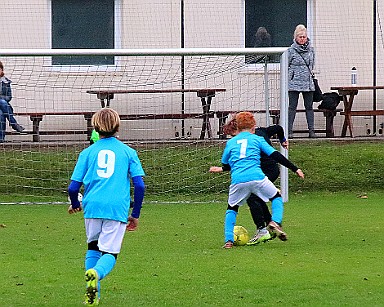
x,y
301,60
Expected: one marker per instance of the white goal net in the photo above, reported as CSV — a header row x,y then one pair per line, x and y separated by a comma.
x,y
172,102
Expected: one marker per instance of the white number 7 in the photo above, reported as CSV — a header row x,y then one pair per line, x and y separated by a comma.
x,y
243,147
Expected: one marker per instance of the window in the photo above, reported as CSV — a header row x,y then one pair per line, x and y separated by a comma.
x,y
83,24
278,17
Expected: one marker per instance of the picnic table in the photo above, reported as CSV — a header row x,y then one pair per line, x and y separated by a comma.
x,y
205,94
348,93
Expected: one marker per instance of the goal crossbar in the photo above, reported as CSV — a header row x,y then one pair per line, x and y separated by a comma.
x,y
144,52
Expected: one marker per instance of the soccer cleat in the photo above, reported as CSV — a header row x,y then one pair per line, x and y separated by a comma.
x,y
275,228
91,294
261,235
228,245
273,236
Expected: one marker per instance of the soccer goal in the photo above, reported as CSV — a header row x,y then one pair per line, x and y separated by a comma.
x,y
172,102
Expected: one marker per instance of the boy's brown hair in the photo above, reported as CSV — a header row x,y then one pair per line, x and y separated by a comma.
x,y
106,122
245,120
230,128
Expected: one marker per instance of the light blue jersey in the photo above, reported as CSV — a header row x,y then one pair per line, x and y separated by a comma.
x,y
105,169
242,153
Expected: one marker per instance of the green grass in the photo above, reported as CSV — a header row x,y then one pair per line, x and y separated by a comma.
x,y
180,172
334,256
339,165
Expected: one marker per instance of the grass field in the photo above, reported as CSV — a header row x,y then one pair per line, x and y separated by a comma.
x,y
180,173
334,256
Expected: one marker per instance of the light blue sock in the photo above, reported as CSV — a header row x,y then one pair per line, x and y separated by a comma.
x,y
277,210
91,258
229,225
105,265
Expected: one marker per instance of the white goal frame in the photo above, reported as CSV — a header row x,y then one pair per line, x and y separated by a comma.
x,y
281,51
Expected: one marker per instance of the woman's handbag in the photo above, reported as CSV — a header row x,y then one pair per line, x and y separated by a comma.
x,y
317,94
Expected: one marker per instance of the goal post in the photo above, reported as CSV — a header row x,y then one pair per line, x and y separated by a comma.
x,y
175,156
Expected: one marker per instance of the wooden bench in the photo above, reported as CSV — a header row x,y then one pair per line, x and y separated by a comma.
x,y
348,118
329,118
205,94
37,117
164,116
222,116
275,114
364,113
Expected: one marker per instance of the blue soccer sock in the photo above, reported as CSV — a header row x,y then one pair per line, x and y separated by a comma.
x,y
229,225
91,258
277,210
105,265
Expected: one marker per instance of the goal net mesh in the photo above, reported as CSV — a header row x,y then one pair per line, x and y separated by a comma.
x,y
175,151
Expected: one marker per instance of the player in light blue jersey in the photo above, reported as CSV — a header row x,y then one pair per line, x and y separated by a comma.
x,y
242,157
106,169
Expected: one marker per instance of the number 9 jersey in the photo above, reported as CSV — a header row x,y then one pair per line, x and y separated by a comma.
x,y
105,169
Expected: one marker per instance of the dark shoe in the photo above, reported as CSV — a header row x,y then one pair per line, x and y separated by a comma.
x,y
18,128
275,228
312,134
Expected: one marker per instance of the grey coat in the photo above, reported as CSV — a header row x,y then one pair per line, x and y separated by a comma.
x,y
299,74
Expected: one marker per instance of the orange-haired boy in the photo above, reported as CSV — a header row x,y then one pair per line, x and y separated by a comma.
x,y
241,156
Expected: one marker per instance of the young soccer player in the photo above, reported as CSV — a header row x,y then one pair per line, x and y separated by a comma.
x,y
242,157
258,208
105,169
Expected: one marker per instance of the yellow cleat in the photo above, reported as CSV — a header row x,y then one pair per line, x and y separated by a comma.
x,y
91,294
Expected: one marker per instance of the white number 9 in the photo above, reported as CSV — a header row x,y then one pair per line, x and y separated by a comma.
x,y
106,163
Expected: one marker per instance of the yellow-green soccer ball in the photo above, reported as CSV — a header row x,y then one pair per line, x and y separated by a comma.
x,y
241,236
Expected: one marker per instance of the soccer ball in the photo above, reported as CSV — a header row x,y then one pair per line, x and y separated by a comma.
x,y
241,235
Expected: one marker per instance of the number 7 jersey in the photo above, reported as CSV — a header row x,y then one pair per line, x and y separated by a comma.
x,y
242,153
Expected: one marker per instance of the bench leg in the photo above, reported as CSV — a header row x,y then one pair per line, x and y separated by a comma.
x,y
347,124
275,119
206,123
329,130
36,127
348,102
88,118
222,120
